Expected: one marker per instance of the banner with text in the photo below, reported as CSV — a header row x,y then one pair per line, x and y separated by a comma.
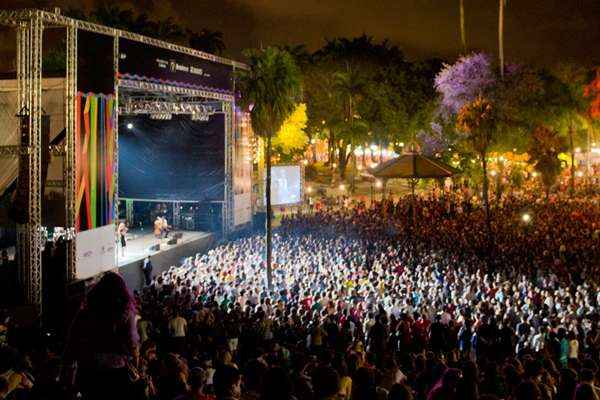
x,y
144,62
95,251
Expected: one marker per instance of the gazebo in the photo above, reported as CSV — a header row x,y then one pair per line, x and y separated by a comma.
x,y
413,166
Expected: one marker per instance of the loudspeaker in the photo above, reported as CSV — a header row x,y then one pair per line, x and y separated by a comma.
x,y
259,220
208,217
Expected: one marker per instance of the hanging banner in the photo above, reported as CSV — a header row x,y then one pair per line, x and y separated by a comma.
x,y
144,62
95,164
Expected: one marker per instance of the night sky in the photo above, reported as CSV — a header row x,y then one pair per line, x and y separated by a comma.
x,y
538,31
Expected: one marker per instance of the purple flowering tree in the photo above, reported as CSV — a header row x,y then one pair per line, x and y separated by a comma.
x,y
460,83
433,140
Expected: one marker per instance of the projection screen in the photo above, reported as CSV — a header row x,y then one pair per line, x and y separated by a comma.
x,y
286,185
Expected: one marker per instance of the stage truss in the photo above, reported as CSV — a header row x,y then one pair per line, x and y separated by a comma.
x,y
29,25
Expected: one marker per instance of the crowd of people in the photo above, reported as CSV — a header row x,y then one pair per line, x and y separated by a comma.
x,y
385,301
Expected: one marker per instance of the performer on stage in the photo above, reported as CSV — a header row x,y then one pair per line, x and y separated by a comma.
x,y
165,227
158,227
122,231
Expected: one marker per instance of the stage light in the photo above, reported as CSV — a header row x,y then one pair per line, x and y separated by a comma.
x,y
305,162
526,217
309,189
378,184
342,187
577,149
334,165
534,174
130,126
493,173
359,167
579,174
401,144
374,165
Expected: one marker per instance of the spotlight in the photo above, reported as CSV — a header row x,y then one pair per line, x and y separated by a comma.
x,y
534,174
378,184
342,187
526,217
305,162
129,126
309,189
579,174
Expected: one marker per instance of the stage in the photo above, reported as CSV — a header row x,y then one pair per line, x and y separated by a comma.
x,y
138,246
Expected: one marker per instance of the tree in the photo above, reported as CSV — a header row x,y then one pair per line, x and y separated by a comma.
x,y
545,145
501,6
592,92
271,89
291,137
477,121
463,33
462,82
572,117
207,41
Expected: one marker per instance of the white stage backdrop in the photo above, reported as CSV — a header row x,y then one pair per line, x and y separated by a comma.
x,y
95,251
286,185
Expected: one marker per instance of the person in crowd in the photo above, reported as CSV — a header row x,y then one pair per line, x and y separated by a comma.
x,y
361,308
102,347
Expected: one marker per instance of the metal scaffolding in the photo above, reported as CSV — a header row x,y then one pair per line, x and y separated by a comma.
x,y
29,25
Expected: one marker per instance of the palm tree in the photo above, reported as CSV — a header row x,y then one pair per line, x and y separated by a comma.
x,y
271,89
463,33
501,5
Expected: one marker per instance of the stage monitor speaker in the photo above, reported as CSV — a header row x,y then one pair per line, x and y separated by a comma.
x,y
259,220
154,247
208,217
177,235
172,241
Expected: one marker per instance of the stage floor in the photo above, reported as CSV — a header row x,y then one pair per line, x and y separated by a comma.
x,y
138,244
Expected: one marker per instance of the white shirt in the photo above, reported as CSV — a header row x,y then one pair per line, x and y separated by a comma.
x,y
177,327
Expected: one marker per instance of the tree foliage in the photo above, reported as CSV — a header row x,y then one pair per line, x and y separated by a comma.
x,y
291,137
545,145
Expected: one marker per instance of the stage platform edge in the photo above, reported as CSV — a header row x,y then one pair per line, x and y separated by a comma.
x,y
163,259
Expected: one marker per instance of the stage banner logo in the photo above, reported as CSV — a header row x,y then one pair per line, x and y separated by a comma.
x,y
95,164
147,63
95,251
